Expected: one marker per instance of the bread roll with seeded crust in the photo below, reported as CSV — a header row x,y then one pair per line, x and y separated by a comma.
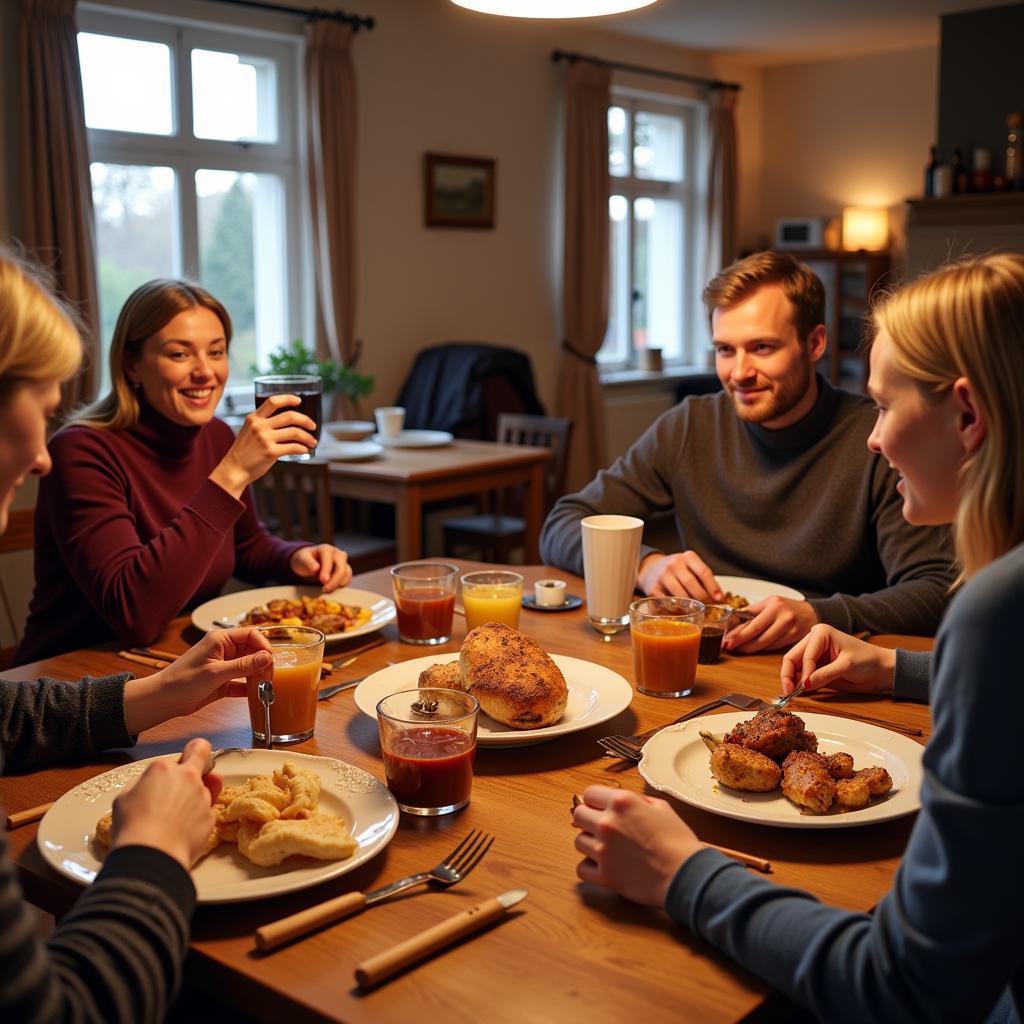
x,y
514,679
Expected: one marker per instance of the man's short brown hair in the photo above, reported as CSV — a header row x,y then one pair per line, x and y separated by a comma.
x,y
799,283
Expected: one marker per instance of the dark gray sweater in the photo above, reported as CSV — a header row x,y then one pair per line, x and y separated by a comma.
x,y
808,506
116,957
945,942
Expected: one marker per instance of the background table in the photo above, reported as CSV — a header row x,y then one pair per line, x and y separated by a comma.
x,y
571,952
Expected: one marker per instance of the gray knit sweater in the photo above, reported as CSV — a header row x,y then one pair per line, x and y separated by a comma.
x,y
116,958
807,506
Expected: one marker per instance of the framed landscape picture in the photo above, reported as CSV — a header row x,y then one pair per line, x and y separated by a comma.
x,y
458,191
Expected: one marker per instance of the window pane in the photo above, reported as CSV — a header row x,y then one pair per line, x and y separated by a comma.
x,y
126,84
233,97
618,148
658,272
136,238
658,146
242,260
615,348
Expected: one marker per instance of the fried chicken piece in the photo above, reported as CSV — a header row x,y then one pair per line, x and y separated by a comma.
x,y
840,765
442,677
808,741
251,808
739,768
771,732
878,779
806,781
322,836
303,789
104,835
852,793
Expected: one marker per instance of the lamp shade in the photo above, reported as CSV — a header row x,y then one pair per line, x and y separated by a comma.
x,y
552,8
865,227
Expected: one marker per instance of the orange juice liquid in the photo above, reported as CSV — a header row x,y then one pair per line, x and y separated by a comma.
x,y
296,681
665,655
492,604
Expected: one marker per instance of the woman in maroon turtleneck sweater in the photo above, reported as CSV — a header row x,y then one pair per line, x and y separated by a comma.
x,y
148,511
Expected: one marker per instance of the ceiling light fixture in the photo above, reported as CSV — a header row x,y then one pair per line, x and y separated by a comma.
x,y
552,8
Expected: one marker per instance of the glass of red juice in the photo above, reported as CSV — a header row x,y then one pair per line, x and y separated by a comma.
x,y
666,641
308,388
425,599
428,742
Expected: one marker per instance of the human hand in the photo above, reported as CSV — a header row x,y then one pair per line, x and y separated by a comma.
x,y
324,561
266,435
632,844
684,574
775,622
829,657
169,806
209,671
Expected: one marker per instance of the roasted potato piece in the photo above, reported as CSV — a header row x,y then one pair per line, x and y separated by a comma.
x,y
840,765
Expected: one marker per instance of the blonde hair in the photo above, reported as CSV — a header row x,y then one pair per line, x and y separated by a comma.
x,y
39,339
147,310
967,320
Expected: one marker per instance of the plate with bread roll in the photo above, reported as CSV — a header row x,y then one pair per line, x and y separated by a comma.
x,y
526,695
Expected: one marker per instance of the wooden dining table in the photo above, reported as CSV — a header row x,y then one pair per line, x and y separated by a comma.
x,y
410,478
571,952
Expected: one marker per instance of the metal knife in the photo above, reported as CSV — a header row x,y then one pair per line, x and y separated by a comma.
x,y
330,691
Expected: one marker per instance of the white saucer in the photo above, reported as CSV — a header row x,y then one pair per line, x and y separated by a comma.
x,y
347,451
416,439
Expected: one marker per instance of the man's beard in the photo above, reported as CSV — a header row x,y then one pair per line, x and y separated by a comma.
x,y
786,395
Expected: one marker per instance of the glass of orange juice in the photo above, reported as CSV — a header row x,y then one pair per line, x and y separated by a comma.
x,y
298,652
666,639
492,596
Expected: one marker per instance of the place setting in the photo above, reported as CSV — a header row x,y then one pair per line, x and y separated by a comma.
x,y
391,433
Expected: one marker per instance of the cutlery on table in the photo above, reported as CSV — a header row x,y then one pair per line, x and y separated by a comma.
x,y
382,966
27,816
142,659
265,691
459,863
330,691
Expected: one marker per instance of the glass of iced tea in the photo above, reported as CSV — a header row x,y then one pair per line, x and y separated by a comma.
x,y
298,653
492,596
425,600
717,618
666,639
307,388
428,742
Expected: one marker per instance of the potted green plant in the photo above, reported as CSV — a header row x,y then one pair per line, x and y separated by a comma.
x,y
337,378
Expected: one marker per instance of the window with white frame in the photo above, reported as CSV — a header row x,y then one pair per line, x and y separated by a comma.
x,y
656,213
194,159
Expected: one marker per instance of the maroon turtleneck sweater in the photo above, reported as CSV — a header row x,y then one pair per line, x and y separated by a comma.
x,y
130,531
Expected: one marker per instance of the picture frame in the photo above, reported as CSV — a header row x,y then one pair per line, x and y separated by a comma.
x,y
458,191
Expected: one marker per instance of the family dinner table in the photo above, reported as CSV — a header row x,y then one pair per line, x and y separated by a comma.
x,y
410,478
570,952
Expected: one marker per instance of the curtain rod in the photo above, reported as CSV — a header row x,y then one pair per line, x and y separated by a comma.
x,y
309,13
675,76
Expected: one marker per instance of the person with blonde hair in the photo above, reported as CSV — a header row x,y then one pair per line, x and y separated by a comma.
x,y
149,511
118,954
947,376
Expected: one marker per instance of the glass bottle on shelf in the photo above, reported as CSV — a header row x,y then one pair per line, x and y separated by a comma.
x,y
929,172
1014,152
961,180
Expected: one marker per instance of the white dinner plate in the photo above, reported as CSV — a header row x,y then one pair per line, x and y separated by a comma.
x,y
675,761
65,835
416,439
347,451
348,430
233,607
596,694
756,590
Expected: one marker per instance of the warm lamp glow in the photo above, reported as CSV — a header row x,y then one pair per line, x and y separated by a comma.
x,y
865,228
552,8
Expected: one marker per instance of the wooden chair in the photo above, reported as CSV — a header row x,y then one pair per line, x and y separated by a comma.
x,y
496,533
301,507
19,536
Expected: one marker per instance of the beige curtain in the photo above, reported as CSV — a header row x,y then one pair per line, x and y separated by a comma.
x,y
57,194
586,273
331,154
720,250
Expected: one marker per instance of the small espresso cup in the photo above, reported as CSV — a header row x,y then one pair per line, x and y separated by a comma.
x,y
549,593
390,419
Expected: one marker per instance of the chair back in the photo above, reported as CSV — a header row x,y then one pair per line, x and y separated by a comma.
x,y
16,579
543,432
300,501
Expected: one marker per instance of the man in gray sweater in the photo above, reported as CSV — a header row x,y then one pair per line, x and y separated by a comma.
x,y
771,478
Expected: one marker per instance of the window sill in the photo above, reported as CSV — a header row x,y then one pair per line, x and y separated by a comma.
x,y
655,380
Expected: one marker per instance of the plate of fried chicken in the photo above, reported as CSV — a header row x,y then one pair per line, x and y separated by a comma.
x,y
791,771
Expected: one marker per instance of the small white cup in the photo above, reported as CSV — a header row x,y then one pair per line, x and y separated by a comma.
x,y
549,593
389,420
611,554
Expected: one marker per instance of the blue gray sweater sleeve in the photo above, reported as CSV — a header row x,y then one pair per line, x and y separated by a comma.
x,y
944,943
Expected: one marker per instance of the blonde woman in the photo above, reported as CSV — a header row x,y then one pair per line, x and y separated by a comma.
x,y
148,510
143,898
947,375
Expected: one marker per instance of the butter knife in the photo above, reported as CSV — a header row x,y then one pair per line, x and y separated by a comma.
x,y
382,966
330,691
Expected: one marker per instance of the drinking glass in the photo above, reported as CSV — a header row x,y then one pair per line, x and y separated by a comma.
x,y
716,624
492,596
309,390
425,600
298,653
611,555
666,638
428,741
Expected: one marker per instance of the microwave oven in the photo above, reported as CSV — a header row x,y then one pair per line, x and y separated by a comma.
x,y
800,232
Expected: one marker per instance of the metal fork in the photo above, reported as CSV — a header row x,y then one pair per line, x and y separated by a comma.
x,y
454,868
